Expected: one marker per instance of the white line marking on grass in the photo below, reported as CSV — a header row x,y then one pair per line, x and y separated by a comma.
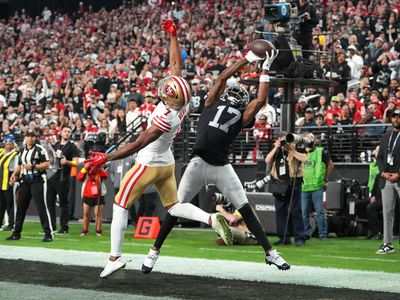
x,y
234,270
231,250
358,258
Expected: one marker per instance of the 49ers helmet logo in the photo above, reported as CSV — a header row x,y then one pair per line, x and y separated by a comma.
x,y
169,91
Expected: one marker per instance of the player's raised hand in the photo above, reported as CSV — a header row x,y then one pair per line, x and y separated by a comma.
x,y
96,161
169,27
269,59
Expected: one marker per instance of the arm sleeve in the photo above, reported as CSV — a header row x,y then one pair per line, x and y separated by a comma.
x,y
43,156
162,123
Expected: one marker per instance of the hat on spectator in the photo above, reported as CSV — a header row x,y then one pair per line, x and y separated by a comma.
x,y
114,85
47,111
38,116
29,90
30,132
54,109
335,99
352,47
396,113
53,121
319,115
149,94
302,99
309,109
380,39
195,81
89,117
9,138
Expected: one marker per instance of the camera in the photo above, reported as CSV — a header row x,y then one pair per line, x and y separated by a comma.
x,y
299,140
282,13
278,12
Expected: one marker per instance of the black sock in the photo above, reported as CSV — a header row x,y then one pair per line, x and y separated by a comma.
x,y
255,227
166,227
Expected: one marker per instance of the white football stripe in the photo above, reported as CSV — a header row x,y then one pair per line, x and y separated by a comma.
x,y
313,276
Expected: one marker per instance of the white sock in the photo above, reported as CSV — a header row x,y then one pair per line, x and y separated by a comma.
x,y
118,227
189,211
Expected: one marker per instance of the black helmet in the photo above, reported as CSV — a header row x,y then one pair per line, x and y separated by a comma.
x,y
237,96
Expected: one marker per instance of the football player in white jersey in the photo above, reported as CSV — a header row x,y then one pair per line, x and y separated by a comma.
x,y
155,162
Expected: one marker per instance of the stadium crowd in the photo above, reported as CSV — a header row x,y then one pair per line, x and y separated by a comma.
x,y
98,70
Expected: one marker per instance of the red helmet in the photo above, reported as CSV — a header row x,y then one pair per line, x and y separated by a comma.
x,y
174,91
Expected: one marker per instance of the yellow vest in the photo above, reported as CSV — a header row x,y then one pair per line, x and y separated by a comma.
x,y
4,168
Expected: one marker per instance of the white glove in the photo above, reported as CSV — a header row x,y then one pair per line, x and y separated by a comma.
x,y
251,57
269,59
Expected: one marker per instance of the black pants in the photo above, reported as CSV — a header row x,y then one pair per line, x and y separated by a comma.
x,y
27,191
71,196
7,205
295,225
57,187
370,211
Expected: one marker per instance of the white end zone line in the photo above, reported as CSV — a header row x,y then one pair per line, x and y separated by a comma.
x,y
236,270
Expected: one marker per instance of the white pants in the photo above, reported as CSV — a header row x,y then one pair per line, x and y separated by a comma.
x,y
200,173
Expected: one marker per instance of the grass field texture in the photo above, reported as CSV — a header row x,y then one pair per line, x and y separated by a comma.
x,y
342,253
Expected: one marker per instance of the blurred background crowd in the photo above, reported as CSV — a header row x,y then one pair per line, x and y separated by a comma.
x,y
98,70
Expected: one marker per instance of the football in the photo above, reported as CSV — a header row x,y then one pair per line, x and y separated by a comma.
x,y
260,47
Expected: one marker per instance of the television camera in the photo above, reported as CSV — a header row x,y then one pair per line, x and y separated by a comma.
x,y
284,15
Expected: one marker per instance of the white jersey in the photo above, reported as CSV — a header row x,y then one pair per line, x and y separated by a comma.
x,y
158,153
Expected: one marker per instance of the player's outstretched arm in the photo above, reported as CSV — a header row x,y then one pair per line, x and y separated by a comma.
x,y
219,86
254,106
98,159
146,137
175,54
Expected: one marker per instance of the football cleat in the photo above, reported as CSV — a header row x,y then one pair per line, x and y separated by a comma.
x,y
112,267
385,249
174,92
150,261
218,223
273,258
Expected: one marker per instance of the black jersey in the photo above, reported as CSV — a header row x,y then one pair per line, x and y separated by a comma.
x,y
218,126
69,150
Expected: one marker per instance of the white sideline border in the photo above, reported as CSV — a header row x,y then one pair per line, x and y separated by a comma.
x,y
224,269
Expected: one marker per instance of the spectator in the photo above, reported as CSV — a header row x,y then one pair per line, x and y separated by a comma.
x,y
93,192
355,62
334,110
341,73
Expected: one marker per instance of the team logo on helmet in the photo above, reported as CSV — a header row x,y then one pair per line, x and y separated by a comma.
x,y
236,96
174,92
169,91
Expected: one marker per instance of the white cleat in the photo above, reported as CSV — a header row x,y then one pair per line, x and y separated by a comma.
x,y
150,261
113,266
273,258
218,223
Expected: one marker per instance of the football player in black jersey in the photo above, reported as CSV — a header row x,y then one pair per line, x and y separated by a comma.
x,y
225,113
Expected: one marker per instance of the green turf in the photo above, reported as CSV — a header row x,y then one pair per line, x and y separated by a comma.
x,y
344,253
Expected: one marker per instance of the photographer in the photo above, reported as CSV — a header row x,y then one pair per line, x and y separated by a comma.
x,y
240,232
67,156
317,170
287,166
308,20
